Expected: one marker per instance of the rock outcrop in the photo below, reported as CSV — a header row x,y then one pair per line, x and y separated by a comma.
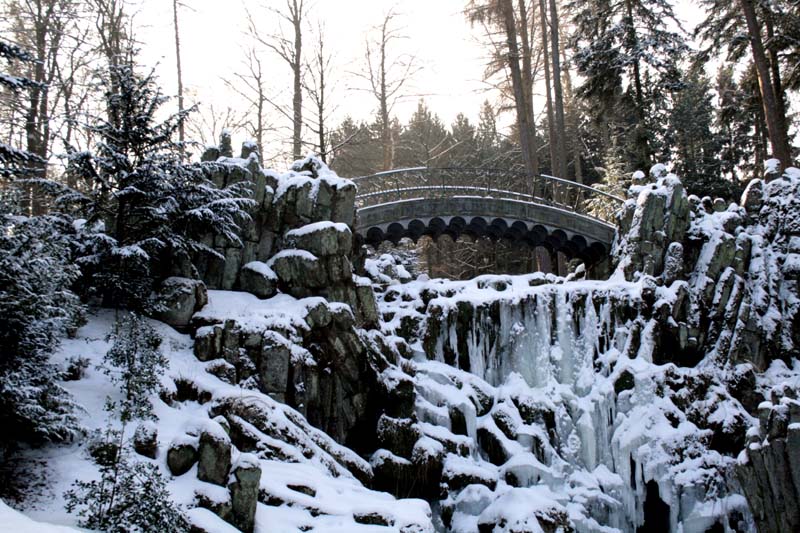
x,y
598,400
640,376
769,468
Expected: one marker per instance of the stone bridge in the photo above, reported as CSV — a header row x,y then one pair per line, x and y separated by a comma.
x,y
560,215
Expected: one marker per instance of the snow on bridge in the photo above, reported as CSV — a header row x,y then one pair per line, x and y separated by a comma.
x,y
561,215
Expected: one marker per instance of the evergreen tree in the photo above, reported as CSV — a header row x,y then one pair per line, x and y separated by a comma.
x,y
627,55
354,150
424,141
735,122
14,162
36,309
151,206
136,364
463,152
36,304
695,146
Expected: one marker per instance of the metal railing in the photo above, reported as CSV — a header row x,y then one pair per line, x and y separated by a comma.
x,y
434,183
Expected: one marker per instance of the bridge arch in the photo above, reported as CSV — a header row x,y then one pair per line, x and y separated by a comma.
x,y
545,211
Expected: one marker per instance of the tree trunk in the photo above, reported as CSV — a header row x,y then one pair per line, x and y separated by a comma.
x,y
551,124
323,149
775,67
572,121
386,134
527,60
557,91
776,128
640,135
181,128
529,156
297,101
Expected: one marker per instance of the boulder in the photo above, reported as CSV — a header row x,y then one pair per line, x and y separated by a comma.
x,y
246,477
398,435
215,499
145,439
177,299
753,197
322,238
258,279
208,342
223,370
298,269
182,455
367,305
273,365
210,154
214,451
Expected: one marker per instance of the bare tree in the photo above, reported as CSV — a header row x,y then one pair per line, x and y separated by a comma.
x,y
251,85
114,29
518,80
50,31
387,74
551,124
318,85
207,124
290,50
40,27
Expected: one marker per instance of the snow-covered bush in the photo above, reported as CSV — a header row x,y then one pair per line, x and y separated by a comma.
x,y
36,309
152,207
136,364
129,497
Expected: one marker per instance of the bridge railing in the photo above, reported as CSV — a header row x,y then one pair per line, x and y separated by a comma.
x,y
433,183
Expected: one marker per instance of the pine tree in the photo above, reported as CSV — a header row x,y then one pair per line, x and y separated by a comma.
x,y
354,152
424,141
626,55
694,144
150,206
463,152
36,310
735,122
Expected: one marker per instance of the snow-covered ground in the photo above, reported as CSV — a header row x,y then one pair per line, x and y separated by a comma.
x,y
337,496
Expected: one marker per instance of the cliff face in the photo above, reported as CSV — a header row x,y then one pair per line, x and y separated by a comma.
x,y
655,375
693,279
517,403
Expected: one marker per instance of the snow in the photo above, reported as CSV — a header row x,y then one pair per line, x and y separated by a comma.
x,y
16,522
301,180
772,166
261,268
282,311
302,254
316,460
317,226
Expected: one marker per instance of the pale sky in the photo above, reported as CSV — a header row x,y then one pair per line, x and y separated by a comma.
x,y
213,37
